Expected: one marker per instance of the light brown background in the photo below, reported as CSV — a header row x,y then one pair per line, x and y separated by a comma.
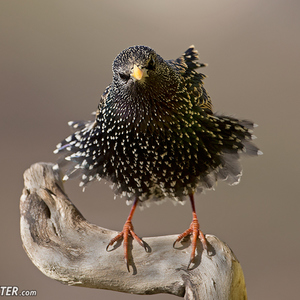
x,y
55,62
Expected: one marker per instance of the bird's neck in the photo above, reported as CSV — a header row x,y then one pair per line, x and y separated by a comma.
x,y
141,114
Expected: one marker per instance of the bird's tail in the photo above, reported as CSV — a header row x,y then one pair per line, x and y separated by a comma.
x,y
235,140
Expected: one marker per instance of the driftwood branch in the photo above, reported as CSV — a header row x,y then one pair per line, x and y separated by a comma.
x,y
66,247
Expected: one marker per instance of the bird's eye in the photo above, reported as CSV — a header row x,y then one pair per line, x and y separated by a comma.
x,y
151,64
124,76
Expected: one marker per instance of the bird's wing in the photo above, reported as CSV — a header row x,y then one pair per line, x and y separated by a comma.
x,y
186,66
70,149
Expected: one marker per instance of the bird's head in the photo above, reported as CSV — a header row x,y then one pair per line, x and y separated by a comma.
x,y
139,72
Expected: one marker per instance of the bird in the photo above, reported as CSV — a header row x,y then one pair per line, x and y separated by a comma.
x,y
155,136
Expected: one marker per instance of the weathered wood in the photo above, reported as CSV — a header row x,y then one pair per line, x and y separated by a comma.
x,y
66,247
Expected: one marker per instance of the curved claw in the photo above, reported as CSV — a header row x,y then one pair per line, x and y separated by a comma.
x,y
112,241
184,234
124,234
196,233
189,264
174,244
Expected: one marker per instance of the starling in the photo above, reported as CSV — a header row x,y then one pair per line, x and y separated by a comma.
x,y
155,136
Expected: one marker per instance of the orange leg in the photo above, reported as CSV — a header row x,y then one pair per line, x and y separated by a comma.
x,y
195,231
126,232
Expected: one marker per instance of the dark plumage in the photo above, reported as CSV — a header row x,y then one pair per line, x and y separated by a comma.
x,y
155,135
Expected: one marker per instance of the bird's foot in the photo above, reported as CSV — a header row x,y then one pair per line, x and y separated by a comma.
x,y
124,234
196,233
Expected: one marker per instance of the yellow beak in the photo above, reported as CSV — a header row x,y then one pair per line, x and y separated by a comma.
x,y
137,73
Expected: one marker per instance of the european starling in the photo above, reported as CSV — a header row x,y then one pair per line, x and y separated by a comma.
x,y
155,136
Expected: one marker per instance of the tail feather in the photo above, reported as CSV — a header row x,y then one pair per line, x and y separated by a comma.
x,y
231,169
237,141
190,58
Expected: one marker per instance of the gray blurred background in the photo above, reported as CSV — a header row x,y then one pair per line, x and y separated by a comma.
x,y
56,61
